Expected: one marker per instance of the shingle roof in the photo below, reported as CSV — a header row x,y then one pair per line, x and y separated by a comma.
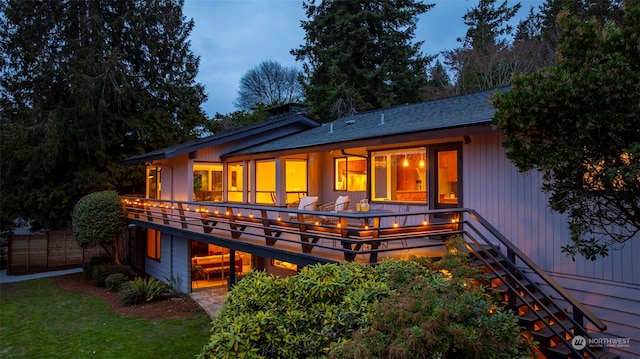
x,y
457,111
226,136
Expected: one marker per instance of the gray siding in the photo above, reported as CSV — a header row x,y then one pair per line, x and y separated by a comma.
x,y
514,204
174,264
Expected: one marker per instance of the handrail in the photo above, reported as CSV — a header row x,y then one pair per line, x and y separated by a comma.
x,y
310,233
538,271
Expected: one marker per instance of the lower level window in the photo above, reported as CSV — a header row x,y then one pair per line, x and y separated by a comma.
x,y
153,244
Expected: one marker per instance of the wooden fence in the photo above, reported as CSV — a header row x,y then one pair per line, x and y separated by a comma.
x,y
48,251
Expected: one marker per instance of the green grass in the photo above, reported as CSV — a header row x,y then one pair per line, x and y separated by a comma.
x,y
39,320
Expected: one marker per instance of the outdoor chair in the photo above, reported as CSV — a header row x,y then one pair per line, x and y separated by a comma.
x,y
341,204
305,203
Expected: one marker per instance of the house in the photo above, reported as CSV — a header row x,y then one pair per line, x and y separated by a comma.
x,y
435,157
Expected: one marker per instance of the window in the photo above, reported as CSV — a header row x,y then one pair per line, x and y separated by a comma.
x,y
350,174
235,176
265,181
153,182
207,182
153,244
399,175
447,177
296,179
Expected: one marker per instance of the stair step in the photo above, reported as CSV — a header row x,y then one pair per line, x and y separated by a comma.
x,y
562,351
546,333
531,318
536,297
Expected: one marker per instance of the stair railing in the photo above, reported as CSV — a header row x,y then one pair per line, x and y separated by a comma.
x,y
512,271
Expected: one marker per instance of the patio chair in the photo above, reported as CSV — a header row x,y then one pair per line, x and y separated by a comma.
x,y
341,204
305,203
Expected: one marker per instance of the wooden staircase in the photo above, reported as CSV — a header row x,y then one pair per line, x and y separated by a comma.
x,y
539,312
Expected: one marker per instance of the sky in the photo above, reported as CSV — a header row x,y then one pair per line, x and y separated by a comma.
x,y
232,37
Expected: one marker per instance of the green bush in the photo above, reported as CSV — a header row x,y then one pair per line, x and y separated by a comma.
x,y
114,281
417,308
87,268
129,295
149,287
97,218
295,317
102,271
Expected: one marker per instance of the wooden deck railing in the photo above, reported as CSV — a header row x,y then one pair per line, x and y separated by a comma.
x,y
368,237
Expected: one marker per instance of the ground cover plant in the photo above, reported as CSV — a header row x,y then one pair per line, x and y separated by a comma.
x,y
41,320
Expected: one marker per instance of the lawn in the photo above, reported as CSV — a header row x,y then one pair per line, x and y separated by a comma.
x,y
39,320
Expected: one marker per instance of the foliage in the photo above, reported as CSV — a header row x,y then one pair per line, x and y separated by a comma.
x,y
41,320
129,295
114,281
87,268
102,271
577,123
487,59
97,218
316,313
237,119
435,312
269,84
361,54
296,317
148,287
84,85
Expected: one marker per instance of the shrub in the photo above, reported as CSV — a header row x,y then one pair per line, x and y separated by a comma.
x,y
102,271
87,268
97,218
129,295
294,317
114,281
149,287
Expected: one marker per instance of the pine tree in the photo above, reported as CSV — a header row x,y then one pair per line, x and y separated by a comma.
x,y
86,84
359,55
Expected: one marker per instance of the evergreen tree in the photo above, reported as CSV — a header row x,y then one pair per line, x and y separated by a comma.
x,y
486,59
359,55
578,123
86,84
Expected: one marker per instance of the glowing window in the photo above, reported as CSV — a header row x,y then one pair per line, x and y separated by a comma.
x,y
153,244
265,181
207,182
296,179
399,175
235,176
350,174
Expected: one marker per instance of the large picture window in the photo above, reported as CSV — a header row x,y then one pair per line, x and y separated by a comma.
x,y
399,175
207,182
350,174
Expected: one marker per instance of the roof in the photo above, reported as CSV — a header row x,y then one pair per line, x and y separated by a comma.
x,y
457,111
302,120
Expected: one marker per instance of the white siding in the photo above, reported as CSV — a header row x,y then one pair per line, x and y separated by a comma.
x,y
514,203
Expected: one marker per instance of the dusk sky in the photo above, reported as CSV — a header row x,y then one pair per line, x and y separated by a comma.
x,y
233,36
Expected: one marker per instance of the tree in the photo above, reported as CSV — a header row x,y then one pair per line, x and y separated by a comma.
x,y
269,84
86,84
360,53
578,123
486,60
98,220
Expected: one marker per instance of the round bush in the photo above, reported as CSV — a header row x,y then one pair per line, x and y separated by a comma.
x,y
97,217
129,295
114,281
102,271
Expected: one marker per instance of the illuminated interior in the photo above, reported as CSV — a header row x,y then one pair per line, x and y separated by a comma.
x,y
211,264
265,181
399,175
296,179
350,174
235,177
447,177
207,182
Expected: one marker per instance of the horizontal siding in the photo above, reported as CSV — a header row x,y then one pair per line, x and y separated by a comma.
x,y
514,204
174,263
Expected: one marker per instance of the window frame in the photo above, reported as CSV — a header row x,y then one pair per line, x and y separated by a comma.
x,y
348,185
